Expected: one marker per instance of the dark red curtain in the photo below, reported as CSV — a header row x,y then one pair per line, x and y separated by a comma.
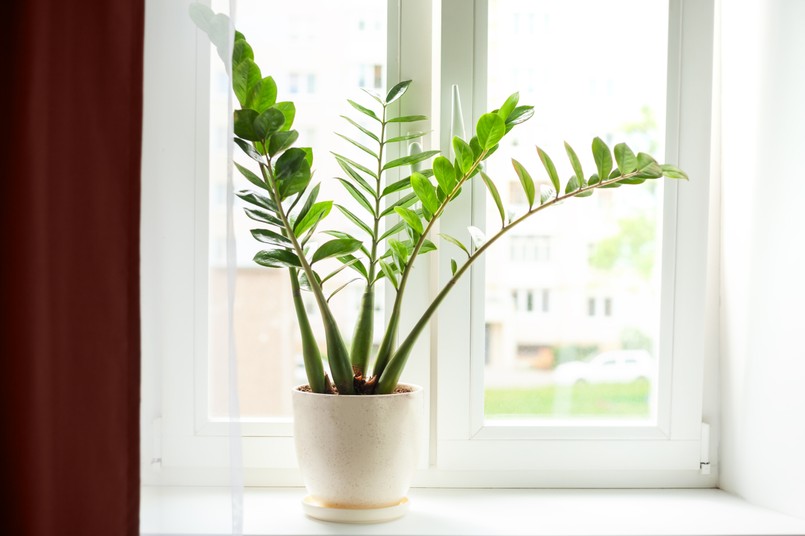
x,y
69,241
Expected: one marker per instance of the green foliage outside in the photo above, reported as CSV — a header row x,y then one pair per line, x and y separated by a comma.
x,y
601,401
632,248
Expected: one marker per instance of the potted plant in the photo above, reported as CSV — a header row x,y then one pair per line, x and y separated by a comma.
x,y
356,426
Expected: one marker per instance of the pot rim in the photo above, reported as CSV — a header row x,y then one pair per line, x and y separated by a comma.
x,y
416,389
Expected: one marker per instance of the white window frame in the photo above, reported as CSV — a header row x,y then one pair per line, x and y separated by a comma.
x,y
589,453
183,446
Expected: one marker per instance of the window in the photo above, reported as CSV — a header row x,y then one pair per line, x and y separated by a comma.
x,y
474,437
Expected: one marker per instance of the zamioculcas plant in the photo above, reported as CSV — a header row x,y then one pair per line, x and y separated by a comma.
x,y
286,204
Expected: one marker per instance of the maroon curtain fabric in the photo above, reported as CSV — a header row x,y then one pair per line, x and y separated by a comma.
x,y
69,241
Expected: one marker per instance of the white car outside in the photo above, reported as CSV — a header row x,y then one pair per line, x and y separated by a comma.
x,y
617,366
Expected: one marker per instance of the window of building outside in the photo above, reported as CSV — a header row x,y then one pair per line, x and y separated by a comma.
x,y
589,252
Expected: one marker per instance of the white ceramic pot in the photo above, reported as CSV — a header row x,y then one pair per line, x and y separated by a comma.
x,y
358,452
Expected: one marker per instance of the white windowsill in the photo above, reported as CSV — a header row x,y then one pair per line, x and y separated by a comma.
x,y
175,510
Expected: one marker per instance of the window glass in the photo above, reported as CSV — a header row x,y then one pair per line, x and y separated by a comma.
x,y
317,64
572,311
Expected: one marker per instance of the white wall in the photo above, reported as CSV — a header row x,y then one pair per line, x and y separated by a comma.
x,y
763,253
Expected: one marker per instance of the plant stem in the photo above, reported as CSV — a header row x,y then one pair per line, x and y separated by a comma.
x,y
310,350
364,327
388,381
336,349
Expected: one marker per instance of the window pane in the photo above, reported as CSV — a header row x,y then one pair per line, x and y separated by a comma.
x,y
572,303
319,54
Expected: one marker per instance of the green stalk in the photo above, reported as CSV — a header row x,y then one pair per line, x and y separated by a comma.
x,y
337,353
362,337
310,350
364,327
388,380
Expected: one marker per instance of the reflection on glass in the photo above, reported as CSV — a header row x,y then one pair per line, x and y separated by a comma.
x,y
572,295
319,54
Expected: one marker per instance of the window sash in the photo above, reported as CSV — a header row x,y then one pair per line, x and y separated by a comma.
x,y
465,441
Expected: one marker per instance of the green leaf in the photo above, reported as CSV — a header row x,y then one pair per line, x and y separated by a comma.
x,y
316,213
288,109
354,175
311,198
336,247
475,145
342,287
649,168
673,172
477,236
262,216
425,191
241,51
508,106
253,178
354,219
374,95
281,140
244,125
359,146
277,258
456,242
603,158
490,130
427,246
495,196
270,237
406,137
572,185
263,95
362,128
627,162
400,252
359,197
594,179
354,263
445,174
409,159
519,115
355,165
364,110
304,284
394,229
247,148
268,122
257,200
411,218
292,172
389,273
546,194
401,184
453,266
464,155
575,163
405,201
407,119
245,75
397,91
550,168
526,181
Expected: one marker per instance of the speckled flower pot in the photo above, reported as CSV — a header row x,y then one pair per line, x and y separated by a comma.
x,y
358,452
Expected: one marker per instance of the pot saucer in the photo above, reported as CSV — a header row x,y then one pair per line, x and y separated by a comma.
x,y
317,510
